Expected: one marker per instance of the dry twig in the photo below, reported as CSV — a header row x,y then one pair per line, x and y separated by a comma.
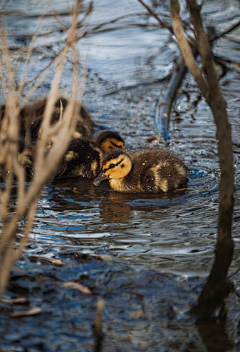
x,y
98,333
45,163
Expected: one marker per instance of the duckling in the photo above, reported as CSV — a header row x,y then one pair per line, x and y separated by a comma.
x,y
145,171
109,140
31,116
84,157
30,120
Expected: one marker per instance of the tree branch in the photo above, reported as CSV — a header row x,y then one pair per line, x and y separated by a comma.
x,y
152,13
217,287
185,47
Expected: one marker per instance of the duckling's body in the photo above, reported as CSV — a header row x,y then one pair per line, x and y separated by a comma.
x,y
30,120
31,116
145,171
84,157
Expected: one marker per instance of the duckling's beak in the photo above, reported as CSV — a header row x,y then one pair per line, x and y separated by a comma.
x,y
100,177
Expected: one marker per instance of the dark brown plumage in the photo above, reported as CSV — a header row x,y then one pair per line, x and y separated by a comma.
x,y
30,120
145,171
31,116
84,157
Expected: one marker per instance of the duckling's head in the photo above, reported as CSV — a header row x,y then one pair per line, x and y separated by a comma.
x,y
109,140
116,164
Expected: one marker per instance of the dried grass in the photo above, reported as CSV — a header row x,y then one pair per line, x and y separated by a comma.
x,y
15,237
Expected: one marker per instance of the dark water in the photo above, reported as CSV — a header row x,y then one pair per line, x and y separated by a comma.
x,y
161,247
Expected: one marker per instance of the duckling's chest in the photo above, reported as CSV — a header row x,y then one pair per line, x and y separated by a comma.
x,y
124,185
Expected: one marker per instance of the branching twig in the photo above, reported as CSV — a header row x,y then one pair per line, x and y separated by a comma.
x,y
153,14
185,47
45,163
227,31
217,287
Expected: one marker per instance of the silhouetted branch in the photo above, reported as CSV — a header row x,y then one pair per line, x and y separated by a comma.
x,y
157,18
227,31
217,286
165,101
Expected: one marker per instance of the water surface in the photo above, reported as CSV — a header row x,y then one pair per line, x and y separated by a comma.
x,y
160,234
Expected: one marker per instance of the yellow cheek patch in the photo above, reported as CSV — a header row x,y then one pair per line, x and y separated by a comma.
x,y
119,144
111,143
122,166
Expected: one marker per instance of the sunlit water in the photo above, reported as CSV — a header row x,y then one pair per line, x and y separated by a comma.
x,y
171,234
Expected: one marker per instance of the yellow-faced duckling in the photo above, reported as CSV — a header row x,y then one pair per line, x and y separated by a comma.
x,y
145,171
84,157
109,140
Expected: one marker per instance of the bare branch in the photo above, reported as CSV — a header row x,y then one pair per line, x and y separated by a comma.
x,y
224,33
45,162
185,47
152,13
217,287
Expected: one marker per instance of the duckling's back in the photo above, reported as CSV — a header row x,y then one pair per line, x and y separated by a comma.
x,y
156,171
31,118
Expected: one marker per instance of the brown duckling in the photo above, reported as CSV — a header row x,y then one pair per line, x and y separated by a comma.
x,y
145,171
84,157
30,120
31,116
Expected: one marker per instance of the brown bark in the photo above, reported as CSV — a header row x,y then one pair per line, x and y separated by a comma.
x,y
217,286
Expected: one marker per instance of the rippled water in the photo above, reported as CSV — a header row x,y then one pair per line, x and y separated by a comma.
x,y
168,234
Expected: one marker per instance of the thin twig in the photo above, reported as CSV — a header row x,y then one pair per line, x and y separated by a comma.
x,y
98,334
153,14
46,163
224,33
185,47
29,55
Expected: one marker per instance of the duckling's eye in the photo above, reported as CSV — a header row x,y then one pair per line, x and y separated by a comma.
x,y
111,166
